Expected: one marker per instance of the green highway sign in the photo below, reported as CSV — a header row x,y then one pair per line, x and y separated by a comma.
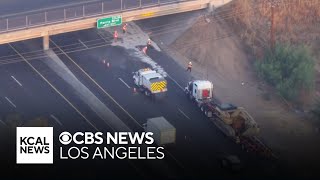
x,y
109,21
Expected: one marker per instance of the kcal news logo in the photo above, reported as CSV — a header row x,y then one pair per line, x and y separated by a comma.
x,y
34,145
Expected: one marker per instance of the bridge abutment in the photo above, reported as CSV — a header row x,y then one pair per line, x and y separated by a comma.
x,y
211,6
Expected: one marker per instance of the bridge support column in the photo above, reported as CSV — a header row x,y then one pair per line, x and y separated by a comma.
x,y
211,6
46,42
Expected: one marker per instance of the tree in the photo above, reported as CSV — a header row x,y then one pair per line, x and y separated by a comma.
x,y
290,69
316,110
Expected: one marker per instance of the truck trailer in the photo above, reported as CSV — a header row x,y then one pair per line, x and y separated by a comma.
x,y
163,132
235,122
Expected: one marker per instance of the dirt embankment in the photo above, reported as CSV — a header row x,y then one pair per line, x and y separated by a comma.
x,y
220,55
295,21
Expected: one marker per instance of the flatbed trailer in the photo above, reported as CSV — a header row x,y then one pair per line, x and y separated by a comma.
x,y
248,144
234,122
254,145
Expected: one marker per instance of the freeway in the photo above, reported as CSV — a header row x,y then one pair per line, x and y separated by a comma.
x,y
199,142
202,140
26,93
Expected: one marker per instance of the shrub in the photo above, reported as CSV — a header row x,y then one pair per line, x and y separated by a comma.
x,y
289,69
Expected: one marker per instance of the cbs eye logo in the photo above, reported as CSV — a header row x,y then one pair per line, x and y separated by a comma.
x,y
65,138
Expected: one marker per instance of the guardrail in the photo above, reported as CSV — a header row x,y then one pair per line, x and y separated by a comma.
x,y
74,12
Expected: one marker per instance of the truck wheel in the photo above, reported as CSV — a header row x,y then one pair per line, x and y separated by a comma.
x,y
208,113
186,91
146,92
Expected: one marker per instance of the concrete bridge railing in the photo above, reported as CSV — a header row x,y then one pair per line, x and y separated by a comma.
x,y
46,22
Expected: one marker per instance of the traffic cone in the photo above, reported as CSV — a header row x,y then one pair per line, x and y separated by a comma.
x,y
104,61
134,90
108,64
144,50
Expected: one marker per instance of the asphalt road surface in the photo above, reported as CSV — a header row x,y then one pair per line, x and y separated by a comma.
x,y
199,142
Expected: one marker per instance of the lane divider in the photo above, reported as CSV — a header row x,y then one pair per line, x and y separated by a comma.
x,y
56,119
124,83
183,114
16,80
10,102
54,88
104,91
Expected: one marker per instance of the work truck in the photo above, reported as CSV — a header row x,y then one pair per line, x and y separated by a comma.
x,y
163,132
235,122
150,82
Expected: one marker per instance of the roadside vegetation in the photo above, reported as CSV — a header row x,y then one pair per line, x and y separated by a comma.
x,y
290,69
295,66
316,110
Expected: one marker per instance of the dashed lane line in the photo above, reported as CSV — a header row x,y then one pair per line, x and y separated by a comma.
x,y
104,91
124,83
10,102
56,119
16,81
102,37
54,88
183,113
3,123
175,82
83,44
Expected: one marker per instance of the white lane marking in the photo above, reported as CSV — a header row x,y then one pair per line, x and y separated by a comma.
x,y
56,119
175,82
54,88
124,83
95,82
3,123
183,114
178,162
102,37
10,102
83,44
16,80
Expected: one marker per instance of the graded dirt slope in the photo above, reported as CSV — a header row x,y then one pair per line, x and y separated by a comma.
x,y
222,59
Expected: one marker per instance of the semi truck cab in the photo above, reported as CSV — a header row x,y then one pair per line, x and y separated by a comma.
x,y
200,91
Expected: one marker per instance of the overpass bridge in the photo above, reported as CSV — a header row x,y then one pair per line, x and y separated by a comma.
x,y
51,21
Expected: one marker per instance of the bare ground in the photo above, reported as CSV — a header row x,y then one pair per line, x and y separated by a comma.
x,y
223,60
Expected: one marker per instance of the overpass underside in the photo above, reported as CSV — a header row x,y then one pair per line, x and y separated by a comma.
x,y
46,30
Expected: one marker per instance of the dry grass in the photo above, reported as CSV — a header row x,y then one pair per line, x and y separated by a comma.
x,y
296,21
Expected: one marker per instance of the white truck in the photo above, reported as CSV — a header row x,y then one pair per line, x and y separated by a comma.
x,y
232,120
235,122
150,82
163,132
200,91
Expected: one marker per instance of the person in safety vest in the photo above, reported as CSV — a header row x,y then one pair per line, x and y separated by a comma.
x,y
149,42
115,36
144,50
189,66
124,28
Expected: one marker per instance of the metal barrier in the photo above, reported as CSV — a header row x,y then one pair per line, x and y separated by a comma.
x,y
70,13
